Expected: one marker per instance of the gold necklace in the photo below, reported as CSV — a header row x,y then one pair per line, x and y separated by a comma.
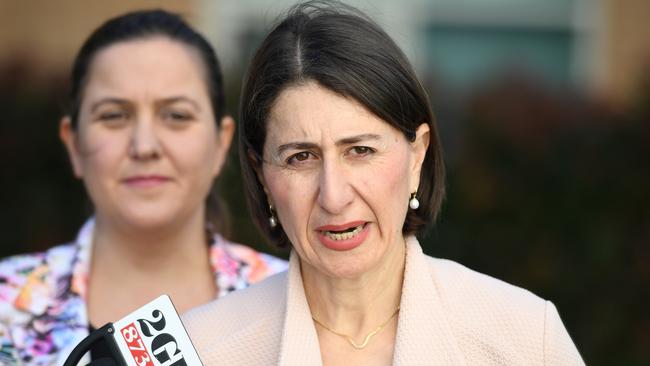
x,y
349,338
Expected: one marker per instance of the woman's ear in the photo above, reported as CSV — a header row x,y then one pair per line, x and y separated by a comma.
x,y
68,136
225,133
419,146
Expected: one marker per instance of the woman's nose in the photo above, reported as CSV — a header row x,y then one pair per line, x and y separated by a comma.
x,y
144,144
335,192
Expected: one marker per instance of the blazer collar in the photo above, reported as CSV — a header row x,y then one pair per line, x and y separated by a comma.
x,y
299,345
423,332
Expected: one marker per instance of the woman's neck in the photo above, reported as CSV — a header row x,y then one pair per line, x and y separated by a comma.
x,y
150,250
131,267
357,306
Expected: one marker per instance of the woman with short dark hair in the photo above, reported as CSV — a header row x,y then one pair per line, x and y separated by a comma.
x,y
148,134
343,163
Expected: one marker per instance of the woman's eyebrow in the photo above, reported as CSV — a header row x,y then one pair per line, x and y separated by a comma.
x,y
109,100
176,99
344,141
296,146
164,101
358,138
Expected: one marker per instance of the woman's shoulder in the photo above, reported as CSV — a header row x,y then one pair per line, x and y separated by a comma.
x,y
225,331
253,302
477,300
251,256
239,266
21,270
456,281
30,287
488,314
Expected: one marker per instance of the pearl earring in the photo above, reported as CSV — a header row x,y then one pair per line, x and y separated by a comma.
x,y
413,202
273,222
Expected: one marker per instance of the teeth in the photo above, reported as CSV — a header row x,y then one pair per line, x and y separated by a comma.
x,y
344,236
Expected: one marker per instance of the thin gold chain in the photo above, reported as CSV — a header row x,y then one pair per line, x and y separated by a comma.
x,y
350,340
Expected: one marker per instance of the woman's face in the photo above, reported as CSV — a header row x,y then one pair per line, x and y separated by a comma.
x,y
146,144
340,179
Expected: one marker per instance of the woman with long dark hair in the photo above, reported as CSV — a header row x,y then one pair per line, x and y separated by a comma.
x,y
148,134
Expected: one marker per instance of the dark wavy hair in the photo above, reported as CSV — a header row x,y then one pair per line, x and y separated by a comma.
x,y
343,50
141,25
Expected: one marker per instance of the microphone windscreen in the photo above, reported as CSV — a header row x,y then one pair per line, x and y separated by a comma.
x,y
154,335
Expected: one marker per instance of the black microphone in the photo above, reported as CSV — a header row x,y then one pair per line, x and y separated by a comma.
x,y
153,335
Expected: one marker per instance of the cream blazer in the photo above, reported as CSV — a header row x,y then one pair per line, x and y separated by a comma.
x,y
449,315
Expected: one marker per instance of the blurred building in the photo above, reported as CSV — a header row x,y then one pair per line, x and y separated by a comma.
x,y
598,45
44,36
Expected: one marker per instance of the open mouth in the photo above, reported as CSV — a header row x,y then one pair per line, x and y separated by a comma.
x,y
346,234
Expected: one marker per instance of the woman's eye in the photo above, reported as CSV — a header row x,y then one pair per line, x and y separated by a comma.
x,y
112,116
176,116
300,158
113,119
361,150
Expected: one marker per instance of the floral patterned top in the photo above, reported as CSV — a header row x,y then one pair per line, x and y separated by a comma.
x,y
43,313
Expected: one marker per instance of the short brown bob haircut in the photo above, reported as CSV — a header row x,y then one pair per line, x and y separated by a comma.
x,y
344,51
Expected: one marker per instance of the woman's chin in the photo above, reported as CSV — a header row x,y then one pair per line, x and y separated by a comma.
x,y
149,221
349,268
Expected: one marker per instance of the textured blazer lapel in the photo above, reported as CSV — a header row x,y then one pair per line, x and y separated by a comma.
x,y
299,340
424,336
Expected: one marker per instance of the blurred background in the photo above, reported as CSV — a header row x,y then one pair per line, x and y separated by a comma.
x,y
544,110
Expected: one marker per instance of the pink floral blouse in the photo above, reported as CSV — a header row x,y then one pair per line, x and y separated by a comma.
x,y
43,313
